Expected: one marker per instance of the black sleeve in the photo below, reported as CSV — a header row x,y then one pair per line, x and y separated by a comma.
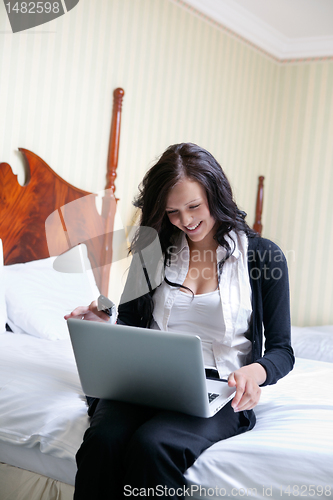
x,y
278,358
136,305
137,312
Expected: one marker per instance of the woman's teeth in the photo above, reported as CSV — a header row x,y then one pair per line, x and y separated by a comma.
x,y
191,228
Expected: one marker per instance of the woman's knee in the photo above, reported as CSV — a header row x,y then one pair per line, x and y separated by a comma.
x,y
155,445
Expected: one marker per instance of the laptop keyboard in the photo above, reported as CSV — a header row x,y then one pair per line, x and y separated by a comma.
x,y
212,396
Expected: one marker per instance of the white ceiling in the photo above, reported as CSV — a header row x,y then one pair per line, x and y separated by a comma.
x,y
287,29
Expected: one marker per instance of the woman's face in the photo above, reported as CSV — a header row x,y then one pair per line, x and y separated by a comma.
x,y
187,208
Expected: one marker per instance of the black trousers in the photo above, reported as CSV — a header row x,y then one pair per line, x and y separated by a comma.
x,y
129,449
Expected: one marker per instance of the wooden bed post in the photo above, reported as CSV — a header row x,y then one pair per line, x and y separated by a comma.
x,y
46,197
257,226
111,174
109,203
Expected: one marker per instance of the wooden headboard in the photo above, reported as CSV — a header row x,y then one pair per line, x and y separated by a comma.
x,y
25,209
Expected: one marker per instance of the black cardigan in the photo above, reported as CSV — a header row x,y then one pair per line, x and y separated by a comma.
x,y
271,309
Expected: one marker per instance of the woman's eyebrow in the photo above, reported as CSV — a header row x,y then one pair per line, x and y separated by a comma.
x,y
189,203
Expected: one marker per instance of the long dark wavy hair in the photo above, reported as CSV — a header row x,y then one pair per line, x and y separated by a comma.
x,y
185,160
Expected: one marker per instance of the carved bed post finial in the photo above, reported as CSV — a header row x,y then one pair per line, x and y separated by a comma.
x,y
111,175
257,226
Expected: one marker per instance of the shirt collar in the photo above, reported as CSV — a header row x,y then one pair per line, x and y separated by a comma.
x,y
180,242
234,241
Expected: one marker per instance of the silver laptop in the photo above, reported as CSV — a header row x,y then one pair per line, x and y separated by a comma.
x,y
147,367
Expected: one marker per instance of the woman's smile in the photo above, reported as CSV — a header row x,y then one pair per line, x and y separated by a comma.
x,y
193,228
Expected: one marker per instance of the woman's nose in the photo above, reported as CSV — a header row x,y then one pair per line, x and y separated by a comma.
x,y
185,219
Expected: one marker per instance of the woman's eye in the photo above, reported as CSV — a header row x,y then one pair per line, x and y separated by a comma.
x,y
195,206
171,212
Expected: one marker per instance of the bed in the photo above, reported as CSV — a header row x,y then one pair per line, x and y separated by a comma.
x,y
43,411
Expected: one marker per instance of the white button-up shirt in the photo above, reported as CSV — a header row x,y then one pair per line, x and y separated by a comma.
x,y
230,348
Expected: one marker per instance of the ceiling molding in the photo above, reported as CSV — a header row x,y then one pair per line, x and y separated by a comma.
x,y
240,21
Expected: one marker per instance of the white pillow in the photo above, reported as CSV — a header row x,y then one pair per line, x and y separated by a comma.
x,y
3,311
313,342
38,296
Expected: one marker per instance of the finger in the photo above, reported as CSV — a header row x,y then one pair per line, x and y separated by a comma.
x,y
231,380
243,403
77,312
240,388
249,399
99,315
93,306
96,315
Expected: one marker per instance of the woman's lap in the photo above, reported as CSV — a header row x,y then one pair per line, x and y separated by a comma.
x,y
143,447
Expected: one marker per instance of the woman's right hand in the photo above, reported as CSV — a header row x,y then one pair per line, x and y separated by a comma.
x,y
89,313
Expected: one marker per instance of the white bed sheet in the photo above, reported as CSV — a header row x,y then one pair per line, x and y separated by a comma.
x,y
289,449
43,410
43,419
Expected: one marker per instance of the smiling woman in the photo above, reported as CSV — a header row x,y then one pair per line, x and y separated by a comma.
x,y
186,198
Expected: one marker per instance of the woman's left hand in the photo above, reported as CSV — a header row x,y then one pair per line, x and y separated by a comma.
x,y
247,380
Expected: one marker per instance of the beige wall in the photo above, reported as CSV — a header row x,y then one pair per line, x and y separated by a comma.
x,y
298,197
185,79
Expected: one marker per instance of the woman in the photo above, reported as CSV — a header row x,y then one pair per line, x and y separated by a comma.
x,y
222,282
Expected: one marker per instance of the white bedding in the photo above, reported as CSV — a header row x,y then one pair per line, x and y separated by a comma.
x,y
43,418
291,444
43,409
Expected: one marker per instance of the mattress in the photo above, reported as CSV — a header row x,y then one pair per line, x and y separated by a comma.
x,y
289,451
43,410
44,416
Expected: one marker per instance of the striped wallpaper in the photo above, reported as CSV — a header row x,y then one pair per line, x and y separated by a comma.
x,y
185,79
299,203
